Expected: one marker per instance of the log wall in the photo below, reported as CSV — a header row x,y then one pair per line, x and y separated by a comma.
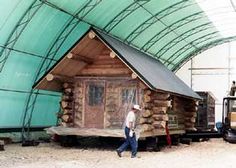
x,y
66,114
154,117
78,104
186,110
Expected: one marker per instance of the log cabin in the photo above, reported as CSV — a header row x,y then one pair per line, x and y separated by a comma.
x,y
100,78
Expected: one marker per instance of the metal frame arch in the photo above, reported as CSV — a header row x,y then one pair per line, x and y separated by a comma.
x,y
153,19
167,30
17,31
202,49
123,14
187,34
70,25
188,46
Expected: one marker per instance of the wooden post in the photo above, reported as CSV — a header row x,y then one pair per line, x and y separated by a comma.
x,y
51,77
76,57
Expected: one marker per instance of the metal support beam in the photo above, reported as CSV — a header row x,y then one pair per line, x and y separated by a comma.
x,y
170,28
26,92
17,31
24,52
123,14
153,19
196,42
202,49
44,66
185,35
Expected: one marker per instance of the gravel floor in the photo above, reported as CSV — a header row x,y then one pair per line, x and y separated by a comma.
x,y
210,154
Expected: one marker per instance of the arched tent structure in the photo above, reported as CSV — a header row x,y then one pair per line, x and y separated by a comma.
x,y
36,33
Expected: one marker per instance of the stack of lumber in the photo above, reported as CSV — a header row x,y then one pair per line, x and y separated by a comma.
x,y
154,113
66,115
78,102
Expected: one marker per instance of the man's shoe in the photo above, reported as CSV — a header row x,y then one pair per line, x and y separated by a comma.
x,y
118,153
133,156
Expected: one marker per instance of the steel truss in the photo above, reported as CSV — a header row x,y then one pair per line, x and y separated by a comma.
x,y
185,35
24,52
170,28
44,66
202,49
17,31
195,42
123,14
157,17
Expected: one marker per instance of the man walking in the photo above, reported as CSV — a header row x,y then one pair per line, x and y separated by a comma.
x,y
129,133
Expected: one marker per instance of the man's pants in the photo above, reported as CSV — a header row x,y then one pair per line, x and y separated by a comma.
x,y
129,141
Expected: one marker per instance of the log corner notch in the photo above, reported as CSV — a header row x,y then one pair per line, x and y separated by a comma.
x,y
50,77
77,57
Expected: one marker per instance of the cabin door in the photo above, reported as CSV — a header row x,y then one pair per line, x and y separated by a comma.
x,y
94,104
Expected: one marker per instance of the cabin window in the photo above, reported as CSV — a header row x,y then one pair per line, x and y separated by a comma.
x,y
173,121
95,93
128,95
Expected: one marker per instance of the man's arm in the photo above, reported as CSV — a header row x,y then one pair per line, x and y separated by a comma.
x,y
131,125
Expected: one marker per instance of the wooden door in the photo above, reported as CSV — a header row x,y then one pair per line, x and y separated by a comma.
x,y
94,104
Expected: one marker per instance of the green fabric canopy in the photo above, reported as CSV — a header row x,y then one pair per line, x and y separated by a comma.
x,y
36,33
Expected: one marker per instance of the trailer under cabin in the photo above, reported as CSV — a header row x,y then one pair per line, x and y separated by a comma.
x,y
100,78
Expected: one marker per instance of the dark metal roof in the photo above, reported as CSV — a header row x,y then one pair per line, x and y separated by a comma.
x,y
150,70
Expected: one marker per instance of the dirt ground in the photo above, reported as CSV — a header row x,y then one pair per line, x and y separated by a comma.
x,y
209,154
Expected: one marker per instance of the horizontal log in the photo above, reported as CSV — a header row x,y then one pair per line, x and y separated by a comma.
x,y
66,105
146,127
68,85
108,71
162,103
160,117
67,118
64,124
67,111
67,98
160,96
145,120
77,57
147,113
61,78
190,114
147,92
190,119
147,98
159,110
68,90
159,124
148,105
189,125
91,35
112,54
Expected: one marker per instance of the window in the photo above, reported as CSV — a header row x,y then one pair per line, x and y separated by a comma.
x,y
95,93
128,95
